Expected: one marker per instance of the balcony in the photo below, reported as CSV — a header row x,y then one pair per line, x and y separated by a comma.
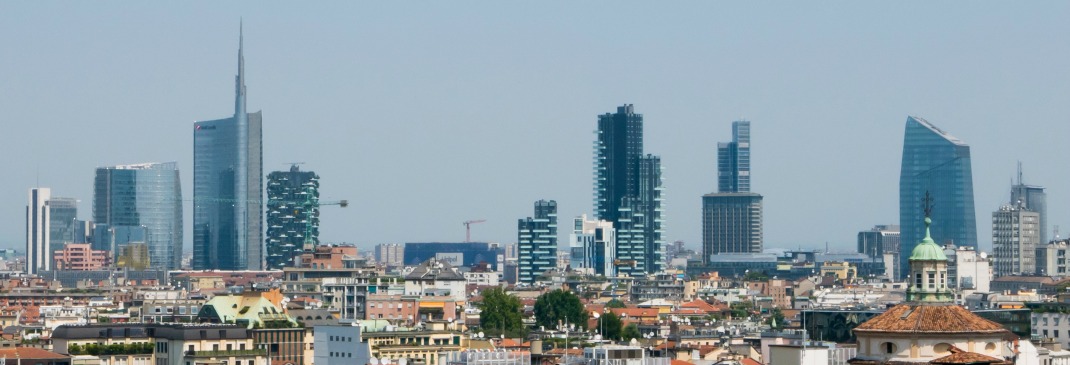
x,y
227,353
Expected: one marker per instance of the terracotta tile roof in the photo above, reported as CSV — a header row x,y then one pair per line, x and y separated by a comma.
x,y
914,318
666,346
701,305
689,312
963,358
749,361
30,353
635,312
679,362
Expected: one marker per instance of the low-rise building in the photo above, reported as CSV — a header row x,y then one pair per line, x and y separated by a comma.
x,y
340,344
160,344
619,355
436,275
356,343
32,355
81,256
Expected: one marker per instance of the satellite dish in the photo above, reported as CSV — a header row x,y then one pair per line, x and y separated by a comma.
x,y
480,334
373,361
596,315
984,255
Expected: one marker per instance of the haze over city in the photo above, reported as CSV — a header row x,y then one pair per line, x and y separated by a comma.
x,y
424,117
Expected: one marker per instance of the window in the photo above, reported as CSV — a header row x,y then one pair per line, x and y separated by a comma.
x,y
888,347
941,348
932,280
990,347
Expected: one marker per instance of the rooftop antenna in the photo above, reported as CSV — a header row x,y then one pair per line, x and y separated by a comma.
x,y
1019,172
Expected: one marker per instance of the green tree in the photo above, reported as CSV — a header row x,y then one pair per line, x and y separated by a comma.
x,y
756,276
630,332
615,303
776,319
609,326
501,314
559,306
741,309
74,349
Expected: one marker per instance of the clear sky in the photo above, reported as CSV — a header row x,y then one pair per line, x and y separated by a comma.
x,y
427,114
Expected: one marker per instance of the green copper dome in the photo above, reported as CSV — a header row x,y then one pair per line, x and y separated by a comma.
x,y
927,250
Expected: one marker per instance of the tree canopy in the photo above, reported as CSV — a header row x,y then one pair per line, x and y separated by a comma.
x,y
630,332
609,326
776,319
615,303
559,306
501,314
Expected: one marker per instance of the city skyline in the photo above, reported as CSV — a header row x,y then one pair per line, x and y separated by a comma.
x,y
171,74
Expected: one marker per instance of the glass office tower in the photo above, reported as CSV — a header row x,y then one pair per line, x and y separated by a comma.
x,y
537,242
63,217
937,163
733,160
629,192
228,186
144,198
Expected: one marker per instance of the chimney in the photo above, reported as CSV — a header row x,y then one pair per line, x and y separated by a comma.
x,y
536,347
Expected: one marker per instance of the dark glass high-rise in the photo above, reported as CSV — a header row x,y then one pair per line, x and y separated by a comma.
x,y
228,185
937,163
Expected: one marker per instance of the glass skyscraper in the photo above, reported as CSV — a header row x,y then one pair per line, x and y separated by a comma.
x,y
937,163
62,225
140,203
628,191
293,215
537,242
228,186
733,160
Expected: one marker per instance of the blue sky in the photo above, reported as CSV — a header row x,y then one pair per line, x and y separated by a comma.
x,y
424,115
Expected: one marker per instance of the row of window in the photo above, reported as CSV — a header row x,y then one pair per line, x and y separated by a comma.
x,y
181,310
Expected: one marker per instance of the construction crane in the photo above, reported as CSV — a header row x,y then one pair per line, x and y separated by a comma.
x,y
311,200
468,228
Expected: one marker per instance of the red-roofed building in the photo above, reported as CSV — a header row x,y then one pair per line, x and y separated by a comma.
x,y
640,315
32,355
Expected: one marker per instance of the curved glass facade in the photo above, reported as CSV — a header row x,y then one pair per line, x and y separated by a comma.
x,y
145,198
938,163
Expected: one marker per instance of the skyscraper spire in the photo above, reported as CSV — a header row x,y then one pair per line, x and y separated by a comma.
x,y
239,101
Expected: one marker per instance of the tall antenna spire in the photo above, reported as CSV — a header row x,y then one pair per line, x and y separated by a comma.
x,y
1019,172
239,81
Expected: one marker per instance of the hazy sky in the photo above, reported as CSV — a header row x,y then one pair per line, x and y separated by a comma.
x,y
427,114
